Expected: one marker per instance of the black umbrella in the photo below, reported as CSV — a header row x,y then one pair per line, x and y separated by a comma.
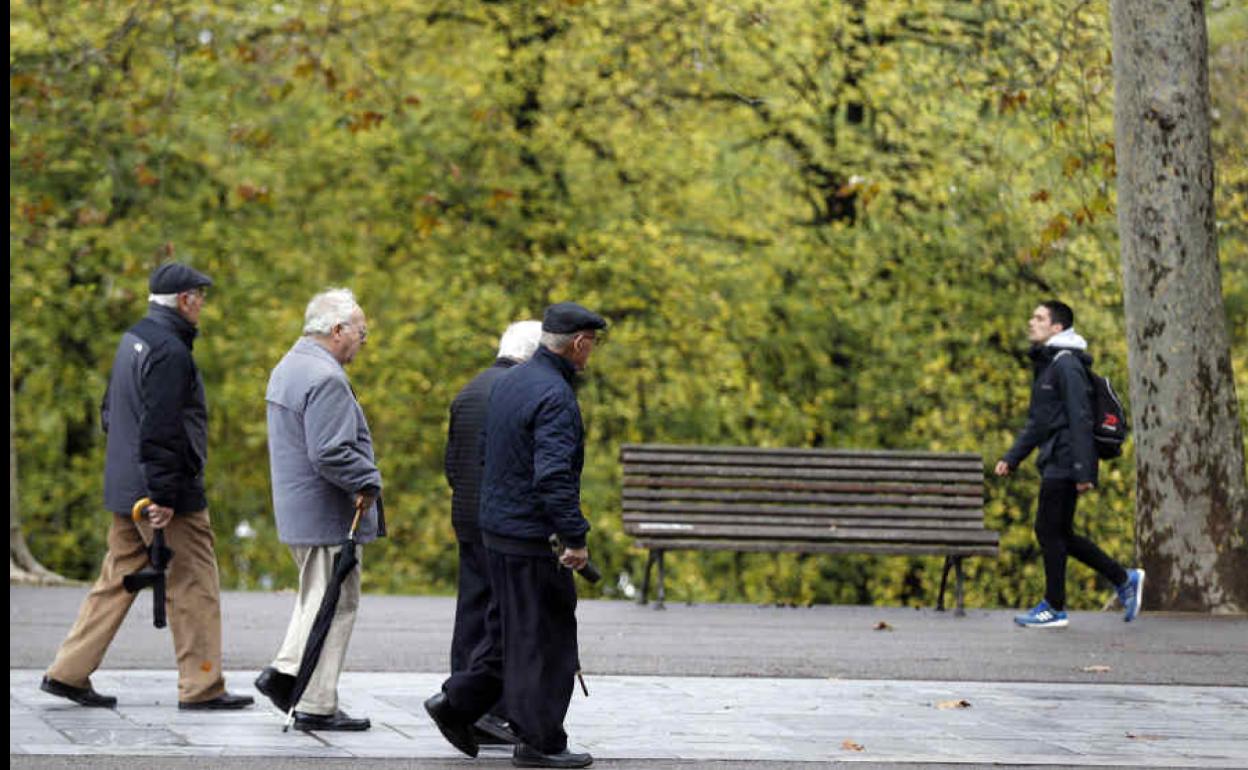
x,y
153,574
344,561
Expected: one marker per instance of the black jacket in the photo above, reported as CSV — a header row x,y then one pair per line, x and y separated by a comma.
x,y
464,459
156,417
1059,418
534,452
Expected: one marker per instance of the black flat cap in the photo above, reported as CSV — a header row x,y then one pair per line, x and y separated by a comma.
x,y
569,317
171,278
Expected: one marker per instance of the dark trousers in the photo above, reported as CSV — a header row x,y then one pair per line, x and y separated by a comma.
x,y
529,658
1055,520
471,604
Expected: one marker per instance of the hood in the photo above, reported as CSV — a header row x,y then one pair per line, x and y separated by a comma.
x,y
1067,338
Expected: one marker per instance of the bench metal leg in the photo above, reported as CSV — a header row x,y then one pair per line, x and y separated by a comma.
x,y
944,580
957,566
954,563
658,604
645,579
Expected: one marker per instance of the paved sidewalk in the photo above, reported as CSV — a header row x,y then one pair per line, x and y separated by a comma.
x,y
705,687
689,718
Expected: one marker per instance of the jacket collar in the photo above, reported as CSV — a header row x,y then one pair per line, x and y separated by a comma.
x,y
170,319
310,347
545,357
505,363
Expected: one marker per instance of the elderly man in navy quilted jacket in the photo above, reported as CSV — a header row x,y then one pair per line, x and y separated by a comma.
x,y
530,490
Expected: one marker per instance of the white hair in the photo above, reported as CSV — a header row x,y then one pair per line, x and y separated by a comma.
x,y
556,342
327,310
164,300
519,341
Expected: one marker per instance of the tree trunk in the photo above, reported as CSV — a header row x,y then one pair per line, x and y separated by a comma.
x,y
1191,497
23,566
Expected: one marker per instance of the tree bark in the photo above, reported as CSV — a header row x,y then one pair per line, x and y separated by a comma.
x,y
1191,496
23,566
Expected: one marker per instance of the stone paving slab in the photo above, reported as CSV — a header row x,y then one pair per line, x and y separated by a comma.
x,y
686,718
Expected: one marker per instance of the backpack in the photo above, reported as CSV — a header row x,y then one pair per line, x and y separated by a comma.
x,y
1109,419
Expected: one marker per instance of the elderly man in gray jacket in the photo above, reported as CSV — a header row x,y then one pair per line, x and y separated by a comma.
x,y
321,460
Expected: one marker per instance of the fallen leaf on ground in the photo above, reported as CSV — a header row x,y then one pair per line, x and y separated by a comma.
x,y
1096,669
849,745
946,705
882,626
1143,737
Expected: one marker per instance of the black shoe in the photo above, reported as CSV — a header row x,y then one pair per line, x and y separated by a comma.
x,y
226,701
459,734
492,730
527,756
276,686
83,696
335,721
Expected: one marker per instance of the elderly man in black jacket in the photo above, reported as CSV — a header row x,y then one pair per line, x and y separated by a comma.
x,y
1059,423
534,453
464,461
156,418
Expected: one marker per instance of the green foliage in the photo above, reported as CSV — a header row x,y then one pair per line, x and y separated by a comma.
x,y
810,225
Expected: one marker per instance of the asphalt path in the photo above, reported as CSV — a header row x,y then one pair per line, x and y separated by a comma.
x,y
412,634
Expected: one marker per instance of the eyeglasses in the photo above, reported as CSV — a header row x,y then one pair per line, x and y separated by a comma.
x,y
362,329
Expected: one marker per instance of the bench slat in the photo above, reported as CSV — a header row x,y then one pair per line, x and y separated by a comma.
x,y
851,462
798,452
847,534
804,546
639,520
730,509
926,501
946,496
769,472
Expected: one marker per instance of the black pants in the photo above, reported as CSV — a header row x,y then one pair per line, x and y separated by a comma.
x,y
530,655
472,602
1055,518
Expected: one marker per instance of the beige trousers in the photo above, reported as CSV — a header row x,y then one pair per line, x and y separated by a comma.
x,y
192,601
316,567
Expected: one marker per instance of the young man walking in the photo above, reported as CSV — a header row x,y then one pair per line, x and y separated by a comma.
x,y
1059,423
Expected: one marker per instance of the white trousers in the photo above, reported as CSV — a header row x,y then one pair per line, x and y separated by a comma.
x,y
316,567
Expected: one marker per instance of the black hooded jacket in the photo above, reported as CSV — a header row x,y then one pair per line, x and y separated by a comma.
x,y
1059,418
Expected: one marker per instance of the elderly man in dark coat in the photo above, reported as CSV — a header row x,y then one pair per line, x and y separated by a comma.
x,y
464,462
156,418
534,452
323,469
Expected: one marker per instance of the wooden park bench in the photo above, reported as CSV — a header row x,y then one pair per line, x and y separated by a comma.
x,y
805,501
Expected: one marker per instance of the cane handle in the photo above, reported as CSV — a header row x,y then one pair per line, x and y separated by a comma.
x,y
136,512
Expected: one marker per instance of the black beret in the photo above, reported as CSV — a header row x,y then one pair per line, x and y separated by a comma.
x,y
569,317
171,278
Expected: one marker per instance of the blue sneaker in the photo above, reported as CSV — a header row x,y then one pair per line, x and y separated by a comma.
x,y
1131,594
1042,616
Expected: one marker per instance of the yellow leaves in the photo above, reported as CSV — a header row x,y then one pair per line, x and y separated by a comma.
x,y
1009,101
88,216
252,193
145,177
953,705
849,745
364,121
499,196
1071,165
